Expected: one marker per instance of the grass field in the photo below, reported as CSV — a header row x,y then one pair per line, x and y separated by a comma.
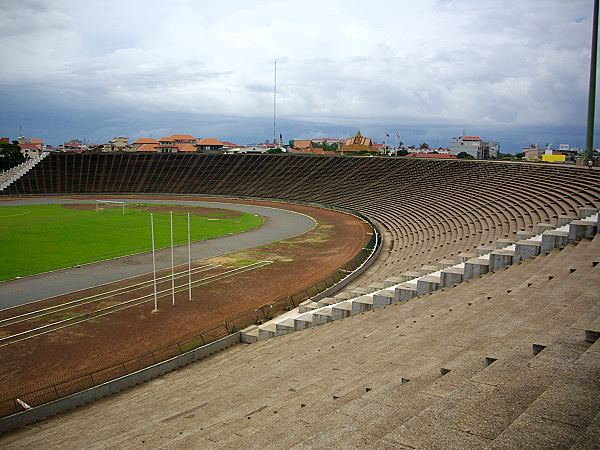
x,y
40,238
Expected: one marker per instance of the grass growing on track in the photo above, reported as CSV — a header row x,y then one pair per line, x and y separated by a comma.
x,y
39,238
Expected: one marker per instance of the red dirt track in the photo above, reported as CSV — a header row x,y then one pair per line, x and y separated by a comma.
x,y
290,266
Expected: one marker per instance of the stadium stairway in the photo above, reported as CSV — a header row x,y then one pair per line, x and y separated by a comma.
x,y
446,274
12,175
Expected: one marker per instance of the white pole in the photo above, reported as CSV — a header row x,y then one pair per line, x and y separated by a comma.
x,y
189,259
153,263
123,208
172,263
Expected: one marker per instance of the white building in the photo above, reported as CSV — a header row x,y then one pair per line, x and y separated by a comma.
x,y
467,144
474,146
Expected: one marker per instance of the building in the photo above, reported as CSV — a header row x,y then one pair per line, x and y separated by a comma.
x,y
358,144
74,145
145,145
302,144
177,143
474,146
210,145
554,156
29,150
118,144
532,153
489,149
466,144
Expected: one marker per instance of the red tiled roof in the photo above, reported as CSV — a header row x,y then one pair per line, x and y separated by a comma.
x,y
141,141
147,147
471,138
182,137
30,146
36,141
186,148
231,144
210,141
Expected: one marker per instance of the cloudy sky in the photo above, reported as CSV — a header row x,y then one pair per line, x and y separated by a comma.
x,y
511,70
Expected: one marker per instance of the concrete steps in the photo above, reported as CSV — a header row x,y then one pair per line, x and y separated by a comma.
x,y
488,259
10,176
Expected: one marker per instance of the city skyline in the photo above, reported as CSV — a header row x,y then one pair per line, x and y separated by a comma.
x,y
515,73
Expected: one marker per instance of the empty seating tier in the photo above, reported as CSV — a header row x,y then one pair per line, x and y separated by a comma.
x,y
427,210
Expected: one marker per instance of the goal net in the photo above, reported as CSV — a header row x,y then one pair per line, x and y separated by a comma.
x,y
109,204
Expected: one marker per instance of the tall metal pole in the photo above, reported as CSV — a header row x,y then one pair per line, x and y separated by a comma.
x,y
172,262
153,263
275,103
589,137
189,260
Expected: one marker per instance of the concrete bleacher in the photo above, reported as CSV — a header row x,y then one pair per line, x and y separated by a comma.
x,y
501,361
429,278
427,210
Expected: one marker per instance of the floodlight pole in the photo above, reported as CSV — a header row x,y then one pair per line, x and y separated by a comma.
x,y
153,263
589,136
189,259
172,262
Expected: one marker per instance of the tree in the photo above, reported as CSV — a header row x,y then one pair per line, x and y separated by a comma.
x,y
402,152
464,155
424,146
275,151
520,155
10,155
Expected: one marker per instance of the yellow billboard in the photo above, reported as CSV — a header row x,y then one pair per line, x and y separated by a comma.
x,y
554,158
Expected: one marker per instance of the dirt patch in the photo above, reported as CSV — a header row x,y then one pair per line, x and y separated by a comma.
x,y
242,284
216,213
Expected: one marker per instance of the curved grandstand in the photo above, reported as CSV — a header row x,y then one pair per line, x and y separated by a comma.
x,y
427,210
454,369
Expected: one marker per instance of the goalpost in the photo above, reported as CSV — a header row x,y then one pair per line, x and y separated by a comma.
x,y
101,204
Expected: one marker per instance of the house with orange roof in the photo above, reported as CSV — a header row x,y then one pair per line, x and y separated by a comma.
x,y
146,148
138,143
211,145
177,143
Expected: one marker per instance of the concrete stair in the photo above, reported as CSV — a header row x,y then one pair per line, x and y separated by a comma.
x,y
488,259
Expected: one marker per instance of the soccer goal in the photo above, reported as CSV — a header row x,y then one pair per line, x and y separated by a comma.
x,y
105,204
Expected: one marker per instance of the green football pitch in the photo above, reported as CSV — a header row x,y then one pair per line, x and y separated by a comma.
x,y
40,238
